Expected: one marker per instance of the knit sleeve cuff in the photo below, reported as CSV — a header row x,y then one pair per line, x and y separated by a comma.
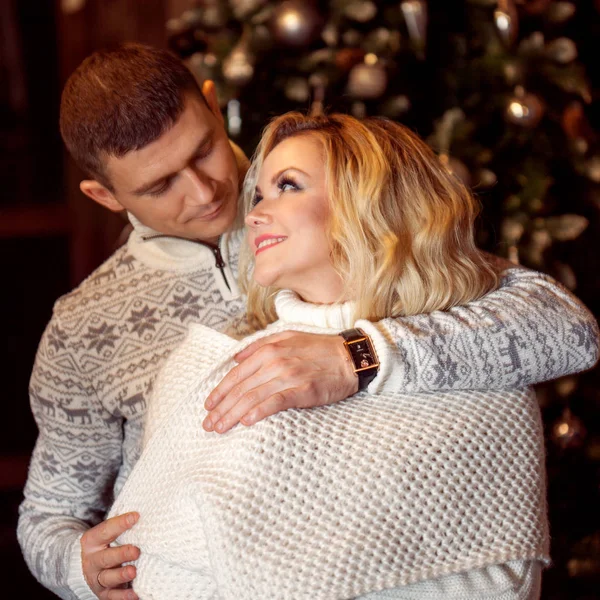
x,y
76,579
391,372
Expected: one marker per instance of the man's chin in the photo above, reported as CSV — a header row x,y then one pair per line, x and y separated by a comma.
x,y
209,231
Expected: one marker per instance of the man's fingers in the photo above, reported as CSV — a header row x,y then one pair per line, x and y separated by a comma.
x,y
236,376
271,406
119,594
108,531
258,344
240,379
249,403
235,395
114,557
112,578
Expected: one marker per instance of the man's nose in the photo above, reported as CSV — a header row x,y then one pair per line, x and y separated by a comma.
x,y
200,188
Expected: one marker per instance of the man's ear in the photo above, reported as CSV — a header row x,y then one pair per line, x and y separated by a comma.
x,y
100,194
209,91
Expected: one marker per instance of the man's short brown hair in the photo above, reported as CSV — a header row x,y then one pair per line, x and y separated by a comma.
x,y
121,100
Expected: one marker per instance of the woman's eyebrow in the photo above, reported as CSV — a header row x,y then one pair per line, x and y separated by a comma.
x,y
278,174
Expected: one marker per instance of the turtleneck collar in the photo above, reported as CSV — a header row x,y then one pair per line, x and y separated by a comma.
x,y
292,309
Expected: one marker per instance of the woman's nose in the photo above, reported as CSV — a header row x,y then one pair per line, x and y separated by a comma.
x,y
257,217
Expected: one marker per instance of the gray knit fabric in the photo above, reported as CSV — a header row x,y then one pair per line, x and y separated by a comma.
x,y
107,339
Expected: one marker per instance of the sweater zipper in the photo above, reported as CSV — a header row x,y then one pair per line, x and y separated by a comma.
x,y
216,250
220,263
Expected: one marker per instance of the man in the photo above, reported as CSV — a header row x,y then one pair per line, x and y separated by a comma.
x,y
155,146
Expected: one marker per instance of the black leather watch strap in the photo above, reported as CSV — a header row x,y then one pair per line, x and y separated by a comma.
x,y
362,354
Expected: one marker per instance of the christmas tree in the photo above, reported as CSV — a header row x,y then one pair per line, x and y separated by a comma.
x,y
506,92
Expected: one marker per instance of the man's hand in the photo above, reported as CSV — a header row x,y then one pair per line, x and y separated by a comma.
x,y
102,565
281,371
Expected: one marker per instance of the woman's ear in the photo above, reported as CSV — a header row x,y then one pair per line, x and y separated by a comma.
x,y
98,193
209,91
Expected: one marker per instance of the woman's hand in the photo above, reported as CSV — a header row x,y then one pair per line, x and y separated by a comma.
x,y
102,564
281,371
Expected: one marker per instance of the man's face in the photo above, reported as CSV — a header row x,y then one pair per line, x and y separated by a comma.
x,y
186,182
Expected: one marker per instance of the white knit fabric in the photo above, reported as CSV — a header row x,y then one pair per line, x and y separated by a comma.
x,y
372,493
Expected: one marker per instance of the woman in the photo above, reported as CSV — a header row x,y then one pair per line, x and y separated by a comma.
x,y
381,496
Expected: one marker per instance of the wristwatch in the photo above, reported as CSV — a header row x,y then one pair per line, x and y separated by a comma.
x,y
363,356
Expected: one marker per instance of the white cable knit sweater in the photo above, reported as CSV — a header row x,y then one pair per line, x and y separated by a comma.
x,y
372,493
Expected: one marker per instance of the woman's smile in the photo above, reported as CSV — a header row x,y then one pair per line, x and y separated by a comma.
x,y
267,241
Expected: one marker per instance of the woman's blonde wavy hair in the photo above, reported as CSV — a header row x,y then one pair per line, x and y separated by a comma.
x,y
401,228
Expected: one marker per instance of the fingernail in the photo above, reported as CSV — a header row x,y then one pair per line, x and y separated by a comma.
x,y
208,404
219,426
207,424
131,596
249,419
131,519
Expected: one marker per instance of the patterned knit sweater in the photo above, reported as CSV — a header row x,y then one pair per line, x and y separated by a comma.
x,y
106,341
375,492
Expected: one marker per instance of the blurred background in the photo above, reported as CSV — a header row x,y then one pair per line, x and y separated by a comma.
x,y
506,91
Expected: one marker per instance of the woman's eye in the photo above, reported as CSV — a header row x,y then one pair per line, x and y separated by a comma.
x,y
257,198
285,185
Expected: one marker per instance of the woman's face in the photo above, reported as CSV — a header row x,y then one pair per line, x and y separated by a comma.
x,y
287,226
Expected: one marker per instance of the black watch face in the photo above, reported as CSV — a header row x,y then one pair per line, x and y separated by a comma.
x,y
364,354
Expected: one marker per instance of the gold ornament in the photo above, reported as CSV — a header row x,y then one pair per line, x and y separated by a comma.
x,y
367,81
566,227
297,90
243,8
296,23
563,50
565,386
237,67
568,431
506,20
485,179
524,109
559,12
592,169
361,11
396,106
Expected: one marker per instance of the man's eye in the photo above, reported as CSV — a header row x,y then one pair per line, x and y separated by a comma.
x,y
204,152
162,189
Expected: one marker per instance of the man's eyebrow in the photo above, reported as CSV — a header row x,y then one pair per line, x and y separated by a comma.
x,y
146,187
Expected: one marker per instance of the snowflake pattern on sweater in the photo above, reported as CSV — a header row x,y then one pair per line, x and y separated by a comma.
x,y
94,371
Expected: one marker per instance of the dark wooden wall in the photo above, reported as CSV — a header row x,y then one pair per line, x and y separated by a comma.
x,y
51,236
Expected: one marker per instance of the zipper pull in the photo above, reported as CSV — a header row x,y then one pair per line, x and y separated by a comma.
x,y
218,258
